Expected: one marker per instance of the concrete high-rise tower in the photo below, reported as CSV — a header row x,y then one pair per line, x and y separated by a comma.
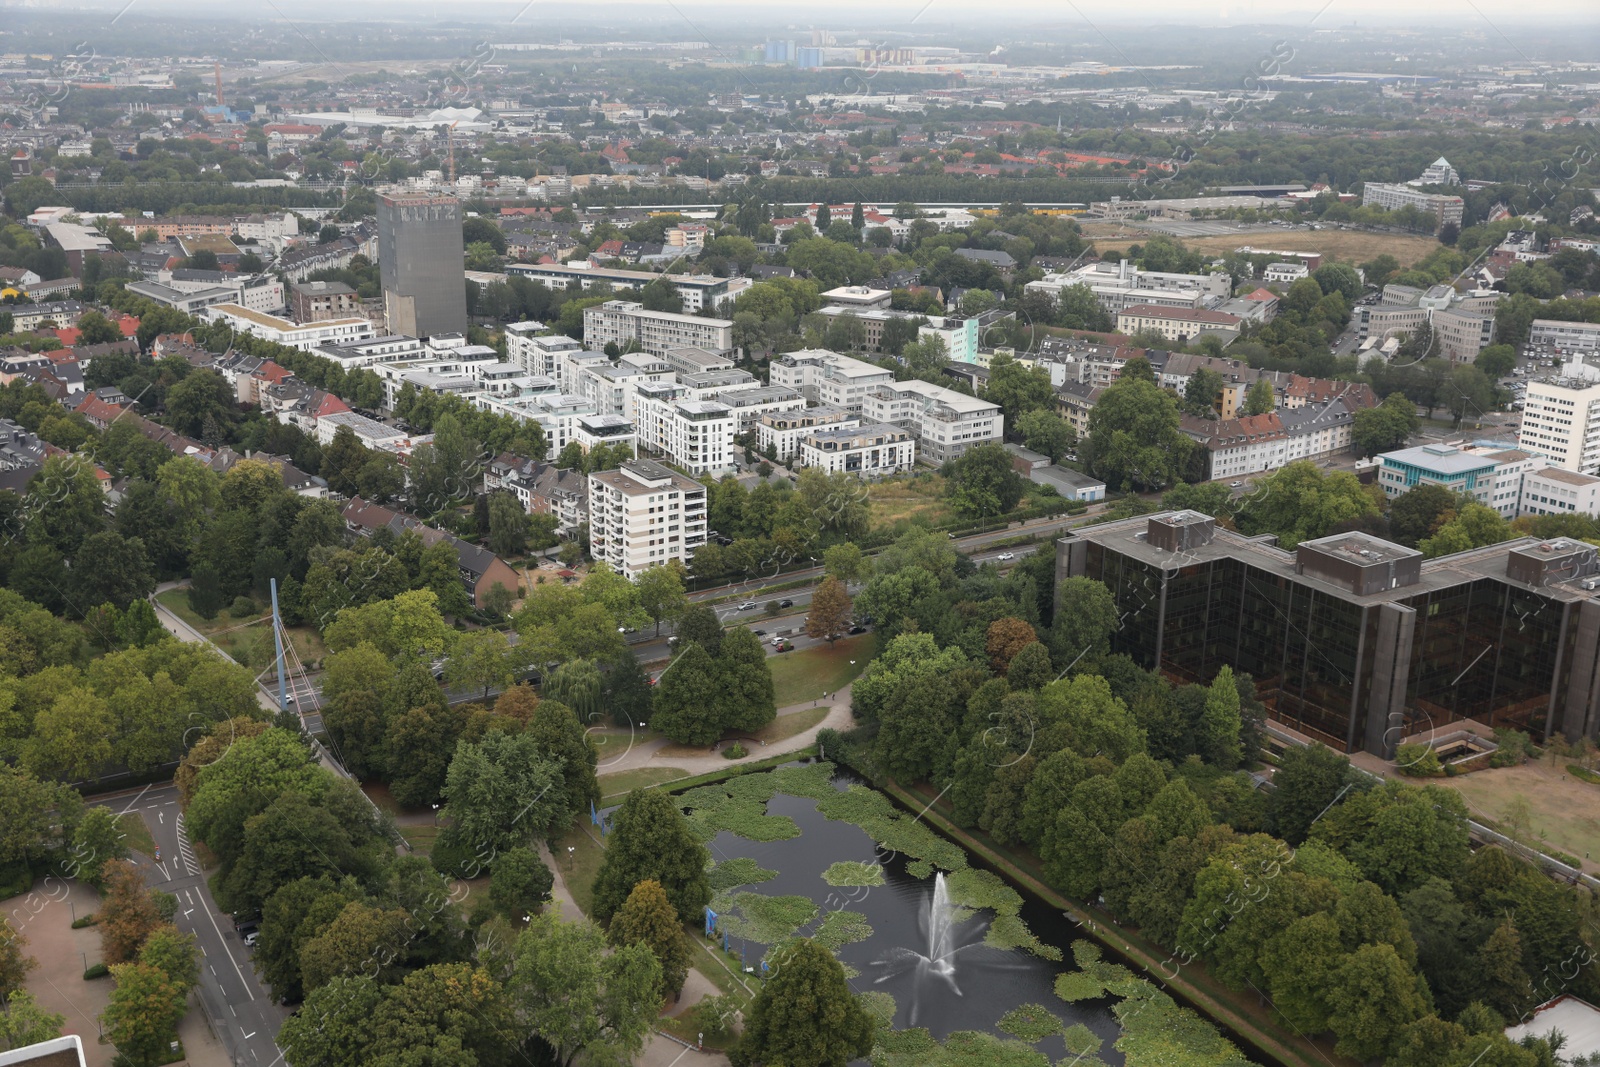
x,y
420,262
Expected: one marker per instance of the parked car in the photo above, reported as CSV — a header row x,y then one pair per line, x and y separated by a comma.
x,y
858,629
1235,485
748,605
251,938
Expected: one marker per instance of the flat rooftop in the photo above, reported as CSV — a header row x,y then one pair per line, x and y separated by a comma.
x,y
1127,538
1441,459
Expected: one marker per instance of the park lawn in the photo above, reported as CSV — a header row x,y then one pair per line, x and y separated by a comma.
x,y
580,866
249,640
803,676
786,726
618,785
901,499
1565,812
420,837
136,835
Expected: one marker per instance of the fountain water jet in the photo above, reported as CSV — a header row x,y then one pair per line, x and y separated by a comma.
x,y
938,923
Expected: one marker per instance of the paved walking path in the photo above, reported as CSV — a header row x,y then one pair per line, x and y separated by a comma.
x,y
648,753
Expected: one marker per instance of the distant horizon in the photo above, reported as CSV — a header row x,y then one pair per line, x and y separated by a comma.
x,y
923,15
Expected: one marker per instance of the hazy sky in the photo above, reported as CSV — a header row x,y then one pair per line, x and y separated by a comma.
x,y
1580,17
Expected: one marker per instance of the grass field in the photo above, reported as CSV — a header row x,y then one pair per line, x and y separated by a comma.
x,y
137,834
798,676
421,837
247,640
618,785
1351,246
580,866
1565,812
901,500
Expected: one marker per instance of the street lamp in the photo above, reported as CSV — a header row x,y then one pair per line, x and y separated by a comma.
x,y
436,815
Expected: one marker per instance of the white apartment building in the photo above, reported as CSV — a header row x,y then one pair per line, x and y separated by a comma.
x,y
538,352
626,323
825,377
1553,491
1390,197
696,435
750,406
1121,285
870,450
781,432
565,418
1565,336
1513,466
642,515
387,348
945,423
306,337
1561,419
1285,273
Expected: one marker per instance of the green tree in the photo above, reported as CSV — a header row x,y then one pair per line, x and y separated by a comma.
x,y
1221,721
579,999
651,840
1385,427
482,659
24,1023
984,483
1418,513
1086,616
1017,388
1497,361
520,883
142,1018
557,732
1300,502
501,792
647,918
805,1015
661,593
15,963
1373,997
746,701
98,838
687,697
846,562
1309,780
1474,525
1260,398
1047,433
1134,441
174,955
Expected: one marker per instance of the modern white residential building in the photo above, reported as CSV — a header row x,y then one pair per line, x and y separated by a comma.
x,y
779,434
642,515
825,377
945,423
269,327
749,406
627,324
1561,419
698,291
1121,285
527,343
696,435
1285,273
386,348
870,450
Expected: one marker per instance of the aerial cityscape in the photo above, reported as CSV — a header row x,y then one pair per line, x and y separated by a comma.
x,y
684,534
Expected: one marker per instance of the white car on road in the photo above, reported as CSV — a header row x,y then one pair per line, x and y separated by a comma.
x,y
1005,556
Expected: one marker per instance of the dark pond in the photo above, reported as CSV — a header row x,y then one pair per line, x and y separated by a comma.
x,y
984,983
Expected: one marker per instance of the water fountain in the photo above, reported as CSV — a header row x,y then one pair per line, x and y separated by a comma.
x,y
942,934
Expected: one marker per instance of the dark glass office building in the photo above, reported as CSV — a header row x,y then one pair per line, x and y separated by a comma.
x,y
1353,640
421,265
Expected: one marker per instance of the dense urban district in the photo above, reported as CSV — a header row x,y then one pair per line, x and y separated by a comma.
x,y
798,547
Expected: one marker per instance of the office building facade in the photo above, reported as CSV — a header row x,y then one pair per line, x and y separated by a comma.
x,y
1354,641
420,264
1561,419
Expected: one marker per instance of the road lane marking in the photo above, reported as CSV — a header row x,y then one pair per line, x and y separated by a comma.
x,y
135,800
229,952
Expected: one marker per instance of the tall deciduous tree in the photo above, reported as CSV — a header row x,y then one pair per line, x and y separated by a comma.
x,y
580,1000
128,913
829,615
1134,440
661,592
142,1018
651,840
520,883
24,1023
647,918
502,792
687,697
1221,721
805,1015
15,963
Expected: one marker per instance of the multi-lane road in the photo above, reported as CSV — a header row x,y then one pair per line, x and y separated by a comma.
x,y
238,1006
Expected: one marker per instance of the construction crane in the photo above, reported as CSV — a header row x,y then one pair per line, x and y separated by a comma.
x,y
219,84
450,140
